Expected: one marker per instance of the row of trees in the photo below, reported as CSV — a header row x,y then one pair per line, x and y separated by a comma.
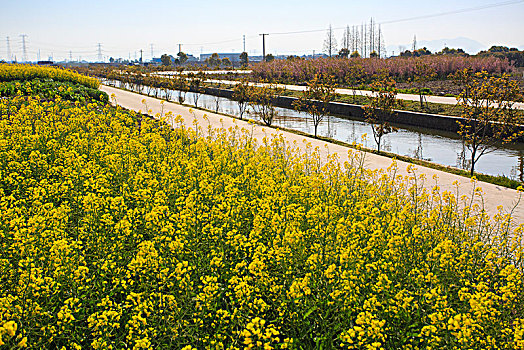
x,y
366,40
213,61
401,69
489,118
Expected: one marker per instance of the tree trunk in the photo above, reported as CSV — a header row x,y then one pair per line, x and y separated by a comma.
x,y
473,153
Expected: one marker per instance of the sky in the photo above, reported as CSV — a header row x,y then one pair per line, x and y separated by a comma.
x,y
64,29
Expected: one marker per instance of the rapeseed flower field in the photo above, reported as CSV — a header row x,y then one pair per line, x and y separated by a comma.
x,y
118,231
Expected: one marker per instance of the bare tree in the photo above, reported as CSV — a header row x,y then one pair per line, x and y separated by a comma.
x,y
316,98
262,101
364,40
195,85
489,117
381,44
346,39
422,75
356,39
371,36
382,107
330,43
182,87
217,99
242,93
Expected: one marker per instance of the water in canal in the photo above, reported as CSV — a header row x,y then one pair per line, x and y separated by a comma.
x,y
428,144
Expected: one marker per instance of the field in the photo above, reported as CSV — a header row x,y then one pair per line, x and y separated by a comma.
x,y
399,68
117,231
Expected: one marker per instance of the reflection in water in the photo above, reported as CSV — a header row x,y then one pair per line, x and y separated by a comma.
x,y
518,171
440,147
521,166
417,153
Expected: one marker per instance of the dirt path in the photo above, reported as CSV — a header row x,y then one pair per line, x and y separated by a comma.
x,y
493,195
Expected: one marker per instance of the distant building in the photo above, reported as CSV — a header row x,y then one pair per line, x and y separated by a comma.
x,y
233,57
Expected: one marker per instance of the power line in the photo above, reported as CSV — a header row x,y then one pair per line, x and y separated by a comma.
x,y
469,9
244,37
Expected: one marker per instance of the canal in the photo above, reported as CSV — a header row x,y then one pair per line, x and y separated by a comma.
x,y
436,146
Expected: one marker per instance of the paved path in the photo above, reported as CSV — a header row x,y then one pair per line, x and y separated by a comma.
x,y
407,97
186,72
493,195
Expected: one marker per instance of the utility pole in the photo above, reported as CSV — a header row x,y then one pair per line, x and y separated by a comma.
x,y
263,46
70,56
8,50
38,57
140,56
99,52
179,48
414,43
152,55
244,38
24,49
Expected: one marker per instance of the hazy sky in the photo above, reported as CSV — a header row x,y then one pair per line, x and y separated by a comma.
x,y
124,27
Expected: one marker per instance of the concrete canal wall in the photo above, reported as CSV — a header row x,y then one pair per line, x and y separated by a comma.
x,y
430,121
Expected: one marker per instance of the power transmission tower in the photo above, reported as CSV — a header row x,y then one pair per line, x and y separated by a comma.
x,y
8,50
24,49
38,57
263,46
140,55
70,56
99,52
244,38
414,43
179,48
152,55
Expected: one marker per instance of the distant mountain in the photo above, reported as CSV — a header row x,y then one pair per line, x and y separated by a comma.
x,y
469,45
